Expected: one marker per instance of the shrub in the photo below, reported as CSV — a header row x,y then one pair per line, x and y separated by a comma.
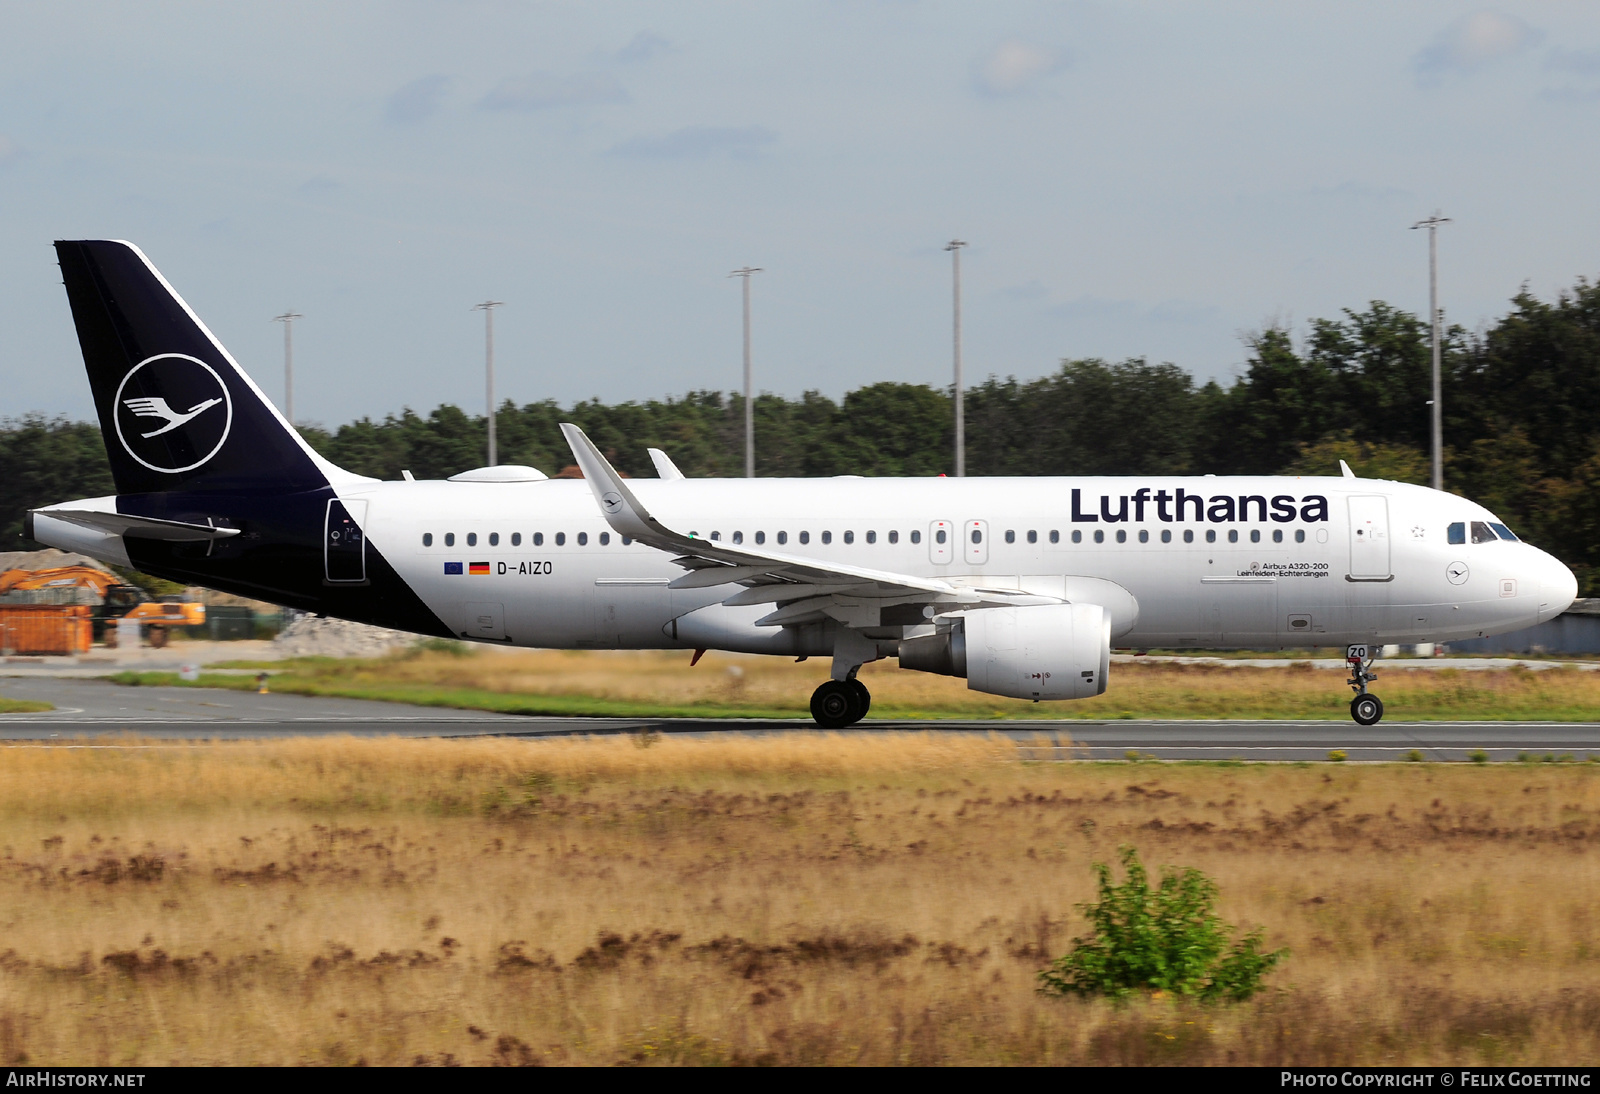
x,y
1414,756
1337,756
1162,940
1478,756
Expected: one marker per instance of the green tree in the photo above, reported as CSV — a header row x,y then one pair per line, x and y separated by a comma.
x,y
1166,939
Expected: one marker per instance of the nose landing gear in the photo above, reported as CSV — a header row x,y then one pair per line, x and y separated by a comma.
x,y
1365,708
839,703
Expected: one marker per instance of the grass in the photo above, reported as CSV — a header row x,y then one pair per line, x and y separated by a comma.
x,y
730,686
24,706
810,898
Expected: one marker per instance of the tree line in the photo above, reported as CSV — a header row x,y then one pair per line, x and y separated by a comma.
x,y
1521,422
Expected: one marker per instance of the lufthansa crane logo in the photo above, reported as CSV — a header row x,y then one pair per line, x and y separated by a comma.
x,y
173,413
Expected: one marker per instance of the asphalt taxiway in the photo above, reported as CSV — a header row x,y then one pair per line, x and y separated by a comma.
x,y
98,712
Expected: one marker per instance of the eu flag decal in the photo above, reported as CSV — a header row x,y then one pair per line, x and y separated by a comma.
x,y
478,568
452,567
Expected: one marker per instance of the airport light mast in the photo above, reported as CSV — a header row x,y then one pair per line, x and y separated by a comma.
x,y
487,308
1432,224
749,402
954,247
287,319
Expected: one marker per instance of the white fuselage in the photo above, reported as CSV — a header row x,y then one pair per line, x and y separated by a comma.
x,y
1373,564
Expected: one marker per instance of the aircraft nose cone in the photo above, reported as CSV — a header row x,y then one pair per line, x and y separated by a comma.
x,y
1558,588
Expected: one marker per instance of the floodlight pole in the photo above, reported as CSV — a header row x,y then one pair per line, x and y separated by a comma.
x,y
1432,224
488,307
287,319
749,402
954,247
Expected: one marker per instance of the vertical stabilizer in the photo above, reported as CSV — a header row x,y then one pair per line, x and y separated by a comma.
x,y
176,411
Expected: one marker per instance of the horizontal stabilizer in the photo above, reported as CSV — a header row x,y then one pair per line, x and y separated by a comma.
x,y
123,524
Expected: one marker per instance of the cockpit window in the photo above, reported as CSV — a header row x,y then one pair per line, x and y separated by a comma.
x,y
1481,533
1502,531
1457,532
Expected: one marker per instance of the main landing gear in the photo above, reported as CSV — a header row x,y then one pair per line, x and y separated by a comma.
x,y
839,703
1365,708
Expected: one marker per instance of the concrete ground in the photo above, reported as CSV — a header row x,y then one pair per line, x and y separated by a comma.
x,y
91,710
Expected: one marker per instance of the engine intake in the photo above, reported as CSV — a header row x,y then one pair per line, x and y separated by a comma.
x,y
1047,651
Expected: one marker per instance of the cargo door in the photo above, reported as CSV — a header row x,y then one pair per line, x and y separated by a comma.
x,y
485,619
344,544
1369,538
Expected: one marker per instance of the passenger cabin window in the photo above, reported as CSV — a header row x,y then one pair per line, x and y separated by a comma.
x,y
1502,531
783,537
849,537
805,537
583,538
449,539
872,537
1166,535
1077,535
1188,535
1055,536
977,536
1482,533
427,539
939,536
1122,535
916,537
1144,535
516,539
714,535
894,537
1233,535
472,539
494,539
605,539
1033,536
561,539
1277,535
1255,535
1457,532
1099,536
1299,535
1211,535
538,539
827,537
1011,537
761,537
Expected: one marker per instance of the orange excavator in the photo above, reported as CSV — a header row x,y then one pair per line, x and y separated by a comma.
x,y
119,600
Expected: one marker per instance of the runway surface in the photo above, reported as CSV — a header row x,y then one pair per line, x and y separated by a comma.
x,y
95,711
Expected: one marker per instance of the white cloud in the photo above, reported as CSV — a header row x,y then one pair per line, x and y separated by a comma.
x,y
416,100
644,46
1014,66
1474,41
542,90
700,142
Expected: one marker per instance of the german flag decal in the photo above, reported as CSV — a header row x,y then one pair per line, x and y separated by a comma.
x,y
478,568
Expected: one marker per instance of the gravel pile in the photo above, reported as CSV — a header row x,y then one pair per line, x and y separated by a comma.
x,y
310,636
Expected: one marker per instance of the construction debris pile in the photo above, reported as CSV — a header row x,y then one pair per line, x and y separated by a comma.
x,y
311,636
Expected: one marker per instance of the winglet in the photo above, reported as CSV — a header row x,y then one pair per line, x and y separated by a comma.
x,y
1344,469
620,508
665,468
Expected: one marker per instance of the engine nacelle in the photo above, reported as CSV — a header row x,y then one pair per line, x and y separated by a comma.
x,y
1047,651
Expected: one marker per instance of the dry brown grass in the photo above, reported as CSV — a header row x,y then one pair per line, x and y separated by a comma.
x,y
803,899
652,682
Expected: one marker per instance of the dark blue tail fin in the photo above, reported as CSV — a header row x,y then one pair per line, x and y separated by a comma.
x,y
176,411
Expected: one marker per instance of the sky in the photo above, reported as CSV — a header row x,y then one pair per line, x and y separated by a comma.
x,y
1132,179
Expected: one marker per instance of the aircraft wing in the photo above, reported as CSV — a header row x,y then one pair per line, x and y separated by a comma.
x,y
803,589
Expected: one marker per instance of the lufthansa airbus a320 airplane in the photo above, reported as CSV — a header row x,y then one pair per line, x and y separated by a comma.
x,y
1019,585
